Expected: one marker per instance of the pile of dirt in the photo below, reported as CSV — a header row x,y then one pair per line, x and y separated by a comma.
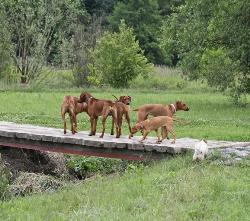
x,y
29,183
30,171
31,161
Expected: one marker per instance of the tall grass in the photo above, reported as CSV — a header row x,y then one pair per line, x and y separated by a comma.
x,y
173,189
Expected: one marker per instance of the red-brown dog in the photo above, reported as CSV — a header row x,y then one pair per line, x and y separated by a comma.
x,y
71,106
159,110
122,109
96,108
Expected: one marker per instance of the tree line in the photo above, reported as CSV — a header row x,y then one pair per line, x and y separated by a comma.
x,y
208,39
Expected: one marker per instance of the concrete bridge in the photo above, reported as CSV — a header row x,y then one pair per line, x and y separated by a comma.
x,y
51,139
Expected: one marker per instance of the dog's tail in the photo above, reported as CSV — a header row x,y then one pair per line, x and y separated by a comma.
x,y
115,97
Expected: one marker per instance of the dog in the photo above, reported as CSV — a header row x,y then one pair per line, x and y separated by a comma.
x,y
122,109
200,151
159,110
96,108
70,105
164,122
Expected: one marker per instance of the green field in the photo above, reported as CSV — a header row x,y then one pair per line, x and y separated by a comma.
x,y
173,189
211,115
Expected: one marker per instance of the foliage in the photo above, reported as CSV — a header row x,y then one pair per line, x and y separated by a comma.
x,y
211,40
5,46
86,166
144,17
4,181
117,58
36,27
85,41
172,189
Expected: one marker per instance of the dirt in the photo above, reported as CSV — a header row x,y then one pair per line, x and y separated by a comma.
x,y
32,171
21,160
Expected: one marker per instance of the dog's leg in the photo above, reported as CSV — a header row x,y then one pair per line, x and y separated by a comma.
x,y
164,133
95,124
158,136
128,121
119,128
112,127
72,126
103,126
92,126
75,124
145,134
170,130
64,120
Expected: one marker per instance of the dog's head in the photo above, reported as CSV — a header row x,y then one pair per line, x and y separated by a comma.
x,y
84,97
181,106
138,126
125,99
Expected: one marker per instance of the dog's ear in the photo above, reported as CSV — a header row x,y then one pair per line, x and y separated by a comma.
x,y
205,141
121,98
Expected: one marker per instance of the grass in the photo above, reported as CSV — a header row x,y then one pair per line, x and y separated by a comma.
x,y
211,115
173,189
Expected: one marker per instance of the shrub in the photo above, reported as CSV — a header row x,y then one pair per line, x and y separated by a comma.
x,y
4,181
117,59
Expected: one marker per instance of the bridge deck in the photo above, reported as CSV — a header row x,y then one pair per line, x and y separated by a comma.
x,y
52,139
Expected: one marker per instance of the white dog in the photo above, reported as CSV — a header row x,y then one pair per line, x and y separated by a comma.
x,y
201,150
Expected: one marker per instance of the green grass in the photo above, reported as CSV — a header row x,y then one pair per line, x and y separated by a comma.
x,y
211,115
173,189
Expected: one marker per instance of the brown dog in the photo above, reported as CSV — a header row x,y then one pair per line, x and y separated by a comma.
x,y
71,106
165,122
98,108
159,110
122,109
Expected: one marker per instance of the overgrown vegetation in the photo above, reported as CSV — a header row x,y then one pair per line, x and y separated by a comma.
x,y
173,189
209,40
118,59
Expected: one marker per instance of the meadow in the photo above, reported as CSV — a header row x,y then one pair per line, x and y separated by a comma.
x,y
211,115
173,189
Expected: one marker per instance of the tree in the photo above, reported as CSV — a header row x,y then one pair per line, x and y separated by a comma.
x,y
37,29
5,45
144,17
212,41
117,59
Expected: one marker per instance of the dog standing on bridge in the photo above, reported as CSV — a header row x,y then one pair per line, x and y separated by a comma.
x,y
96,108
146,126
159,110
70,105
122,109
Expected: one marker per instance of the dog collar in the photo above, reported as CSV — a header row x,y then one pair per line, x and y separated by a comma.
x,y
172,105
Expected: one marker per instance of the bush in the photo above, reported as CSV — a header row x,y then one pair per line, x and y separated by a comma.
x,y
117,59
4,181
54,79
83,167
